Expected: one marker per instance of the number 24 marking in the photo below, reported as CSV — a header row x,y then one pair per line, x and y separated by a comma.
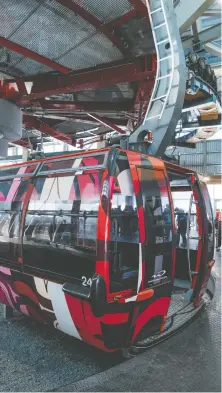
x,y
87,282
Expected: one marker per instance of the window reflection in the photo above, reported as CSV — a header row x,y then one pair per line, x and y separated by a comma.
x,y
124,218
186,211
17,170
209,222
75,162
183,210
124,245
62,216
12,193
158,223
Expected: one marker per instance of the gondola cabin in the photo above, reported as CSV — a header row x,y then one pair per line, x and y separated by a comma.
x,y
103,244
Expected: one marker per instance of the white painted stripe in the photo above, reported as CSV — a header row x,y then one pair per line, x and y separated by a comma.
x,y
77,163
140,275
48,185
42,291
56,189
41,287
59,188
125,183
60,307
131,299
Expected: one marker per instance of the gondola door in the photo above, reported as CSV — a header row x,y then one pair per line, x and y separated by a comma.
x,y
157,251
195,232
207,239
141,253
200,237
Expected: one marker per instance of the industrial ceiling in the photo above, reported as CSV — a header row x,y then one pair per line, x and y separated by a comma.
x,y
78,69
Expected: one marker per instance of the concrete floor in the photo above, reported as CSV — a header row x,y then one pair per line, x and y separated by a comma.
x,y
34,357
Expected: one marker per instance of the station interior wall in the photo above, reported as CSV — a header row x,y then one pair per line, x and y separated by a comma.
x,y
215,191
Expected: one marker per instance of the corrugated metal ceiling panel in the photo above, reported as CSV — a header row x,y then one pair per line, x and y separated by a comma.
x,y
53,31
32,67
94,50
13,13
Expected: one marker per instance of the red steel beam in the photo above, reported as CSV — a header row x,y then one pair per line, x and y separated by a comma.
x,y
107,123
49,130
86,106
42,87
21,142
94,21
140,6
46,85
33,55
46,129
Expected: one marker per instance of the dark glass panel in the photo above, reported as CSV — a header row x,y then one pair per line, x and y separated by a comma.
x,y
4,172
158,222
124,244
209,228
12,196
18,170
61,225
186,211
4,190
75,162
57,165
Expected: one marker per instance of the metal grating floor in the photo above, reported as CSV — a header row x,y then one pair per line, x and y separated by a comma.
x,y
178,302
179,315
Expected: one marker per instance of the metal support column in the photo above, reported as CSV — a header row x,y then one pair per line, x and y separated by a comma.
x,y
166,103
205,158
25,154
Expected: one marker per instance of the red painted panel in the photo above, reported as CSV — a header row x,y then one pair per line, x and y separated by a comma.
x,y
158,307
113,319
141,224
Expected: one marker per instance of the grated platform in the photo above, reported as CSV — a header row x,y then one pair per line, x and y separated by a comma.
x,y
180,314
178,302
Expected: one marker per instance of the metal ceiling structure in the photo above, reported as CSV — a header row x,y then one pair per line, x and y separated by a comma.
x,y
204,37
82,68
